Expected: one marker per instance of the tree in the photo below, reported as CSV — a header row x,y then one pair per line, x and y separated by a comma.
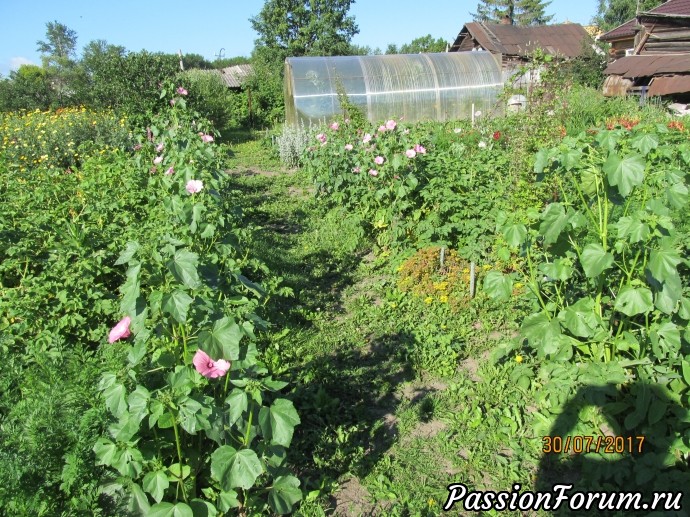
x,y
612,13
420,45
26,88
196,61
58,56
520,12
293,28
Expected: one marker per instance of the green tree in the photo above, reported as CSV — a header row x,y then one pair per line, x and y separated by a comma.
x,y
58,54
424,44
196,61
293,28
521,12
230,61
612,13
26,88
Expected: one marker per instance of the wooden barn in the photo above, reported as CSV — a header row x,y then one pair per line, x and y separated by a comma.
x,y
651,53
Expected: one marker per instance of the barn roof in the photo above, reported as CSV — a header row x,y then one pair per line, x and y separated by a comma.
x,y
629,28
565,39
649,65
234,76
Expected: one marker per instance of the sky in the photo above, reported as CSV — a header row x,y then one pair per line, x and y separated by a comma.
x,y
211,28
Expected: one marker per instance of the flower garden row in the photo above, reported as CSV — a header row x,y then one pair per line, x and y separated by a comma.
x,y
144,241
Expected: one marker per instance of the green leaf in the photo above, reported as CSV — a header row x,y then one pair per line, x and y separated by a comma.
x,y
105,451
666,335
156,483
515,234
632,229
663,263
166,509
595,260
128,253
278,422
498,286
541,332
177,473
554,221
233,469
238,404
645,142
580,318
115,399
685,369
227,500
223,342
193,415
560,269
625,173
667,299
203,508
177,304
643,396
634,300
183,266
139,503
284,494
677,195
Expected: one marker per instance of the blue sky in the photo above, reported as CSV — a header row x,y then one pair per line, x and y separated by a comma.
x,y
207,27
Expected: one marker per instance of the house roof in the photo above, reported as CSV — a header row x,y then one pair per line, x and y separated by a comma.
x,y
565,39
648,65
628,29
234,76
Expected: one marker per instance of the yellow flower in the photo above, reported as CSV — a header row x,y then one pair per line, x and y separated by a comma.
x,y
443,298
428,300
486,266
518,285
518,358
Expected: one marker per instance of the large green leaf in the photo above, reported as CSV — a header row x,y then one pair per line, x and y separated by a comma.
x,y
554,221
238,402
634,300
671,292
632,229
128,253
284,494
166,509
223,342
233,469
278,422
115,399
580,318
677,195
595,260
665,337
541,332
177,304
515,234
663,263
156,483
498,286
183,266
138,503
625,173
560,269
194,415
645,142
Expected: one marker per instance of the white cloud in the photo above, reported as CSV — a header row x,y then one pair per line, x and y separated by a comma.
x,y
16,62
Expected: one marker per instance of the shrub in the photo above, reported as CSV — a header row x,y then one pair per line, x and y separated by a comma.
x,y
208,95
291,143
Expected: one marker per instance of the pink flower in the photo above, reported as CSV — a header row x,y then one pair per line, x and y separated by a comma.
x,y
390,125
335,126
321,138
137,147
206,138
348,147
170,172
373,172
160,147
419,149
366,139
121,330
181,91
157,160
208,367
410,153
172,102
194,186
379,160
356,169
382,129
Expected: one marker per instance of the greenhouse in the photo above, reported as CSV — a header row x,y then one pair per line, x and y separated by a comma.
x,y
417,87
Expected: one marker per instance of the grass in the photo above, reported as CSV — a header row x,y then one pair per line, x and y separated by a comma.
x,y
387,424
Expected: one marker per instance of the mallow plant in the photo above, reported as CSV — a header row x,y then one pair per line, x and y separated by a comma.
x,y
198,426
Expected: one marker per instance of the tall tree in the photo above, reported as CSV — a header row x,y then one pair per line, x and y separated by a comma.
x,y
58,53
520,12
419,45
612,13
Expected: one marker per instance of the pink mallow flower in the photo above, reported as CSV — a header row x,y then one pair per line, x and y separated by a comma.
x,y
356,169
382,129
321,138
170,171
121,330
419,149
348,147
335,126
181,91
208,367
206,138
157,160
373,172
366,139
410,153
391,125
194,186
160,147
379,160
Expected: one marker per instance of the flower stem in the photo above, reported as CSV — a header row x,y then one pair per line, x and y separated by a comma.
x,y
179,455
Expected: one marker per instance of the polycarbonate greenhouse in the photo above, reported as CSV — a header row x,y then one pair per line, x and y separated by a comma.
x,y
414,86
